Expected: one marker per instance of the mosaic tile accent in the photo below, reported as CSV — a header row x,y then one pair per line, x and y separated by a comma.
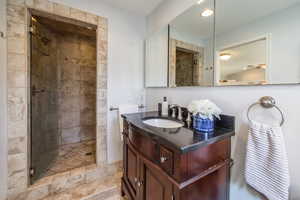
x,y
17,13
73,156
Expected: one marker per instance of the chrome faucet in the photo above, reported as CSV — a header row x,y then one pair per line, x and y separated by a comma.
x,y
179,116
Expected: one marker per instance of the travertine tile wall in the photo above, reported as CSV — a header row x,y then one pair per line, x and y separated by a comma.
x,y
77,83
198,73
184,68
17,64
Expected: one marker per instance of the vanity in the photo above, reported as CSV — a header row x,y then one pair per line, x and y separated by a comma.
x,y
175,163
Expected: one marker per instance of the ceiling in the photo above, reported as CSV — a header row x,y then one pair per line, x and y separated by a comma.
x,y
140,7
230,14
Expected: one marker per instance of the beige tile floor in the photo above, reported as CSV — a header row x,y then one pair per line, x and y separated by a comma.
x,y
104,189
73,156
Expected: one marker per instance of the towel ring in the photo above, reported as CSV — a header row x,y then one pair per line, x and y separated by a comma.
x,y
266,102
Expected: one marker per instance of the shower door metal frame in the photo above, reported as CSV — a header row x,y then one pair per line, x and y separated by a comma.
x,y
29,99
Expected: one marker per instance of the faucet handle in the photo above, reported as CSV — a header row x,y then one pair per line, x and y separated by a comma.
x,y
188,120
173,111
173,107
179,117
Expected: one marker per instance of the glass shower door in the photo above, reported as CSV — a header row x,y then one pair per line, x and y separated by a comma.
x,y
44,101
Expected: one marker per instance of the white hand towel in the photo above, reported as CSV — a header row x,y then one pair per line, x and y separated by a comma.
x,y
126,109
266,161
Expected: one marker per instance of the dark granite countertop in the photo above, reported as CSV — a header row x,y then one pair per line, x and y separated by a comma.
x,y
181,139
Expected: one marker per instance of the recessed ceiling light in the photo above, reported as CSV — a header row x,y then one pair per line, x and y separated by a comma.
x,y
225,56
200,1
207,13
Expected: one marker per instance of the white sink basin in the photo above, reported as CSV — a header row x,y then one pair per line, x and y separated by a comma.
x,y
163,123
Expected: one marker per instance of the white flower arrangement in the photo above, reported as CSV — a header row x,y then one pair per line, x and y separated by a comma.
x,y
205,109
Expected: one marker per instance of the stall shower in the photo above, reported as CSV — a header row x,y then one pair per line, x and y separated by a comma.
x,y
187,67
63,96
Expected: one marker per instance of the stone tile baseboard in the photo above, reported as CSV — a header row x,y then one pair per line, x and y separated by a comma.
x,y
18,13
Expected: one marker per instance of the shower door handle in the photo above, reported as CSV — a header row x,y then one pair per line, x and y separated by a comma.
x,y
35,91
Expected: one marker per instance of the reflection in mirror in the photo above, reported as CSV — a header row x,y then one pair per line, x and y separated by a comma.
x,y
156,69
243,63
191,46
257,42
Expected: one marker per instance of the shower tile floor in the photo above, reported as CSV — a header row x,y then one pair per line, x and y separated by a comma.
x,y
72,156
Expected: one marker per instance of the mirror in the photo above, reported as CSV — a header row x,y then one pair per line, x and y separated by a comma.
x,y
238,43
156,66
191,46
257,42
248,66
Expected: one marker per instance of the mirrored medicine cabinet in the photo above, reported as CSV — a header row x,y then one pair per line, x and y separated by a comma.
x,y
226,43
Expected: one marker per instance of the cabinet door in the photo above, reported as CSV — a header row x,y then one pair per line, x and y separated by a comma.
x,y
153,185
131,169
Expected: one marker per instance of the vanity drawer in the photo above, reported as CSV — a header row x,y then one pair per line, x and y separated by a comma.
x,y
151,150
166,159
143,144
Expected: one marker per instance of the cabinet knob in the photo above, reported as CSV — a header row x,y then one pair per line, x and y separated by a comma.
x,y
163,159
139,183
135,180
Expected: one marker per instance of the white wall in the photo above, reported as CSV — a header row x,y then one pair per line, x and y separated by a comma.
x,y
125,60
3,138
235,101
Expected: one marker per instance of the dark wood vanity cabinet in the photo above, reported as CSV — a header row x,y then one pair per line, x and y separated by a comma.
x,y
156,171
142,179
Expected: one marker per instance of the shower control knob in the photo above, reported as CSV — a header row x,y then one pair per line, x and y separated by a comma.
x,y
36,91
2,35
